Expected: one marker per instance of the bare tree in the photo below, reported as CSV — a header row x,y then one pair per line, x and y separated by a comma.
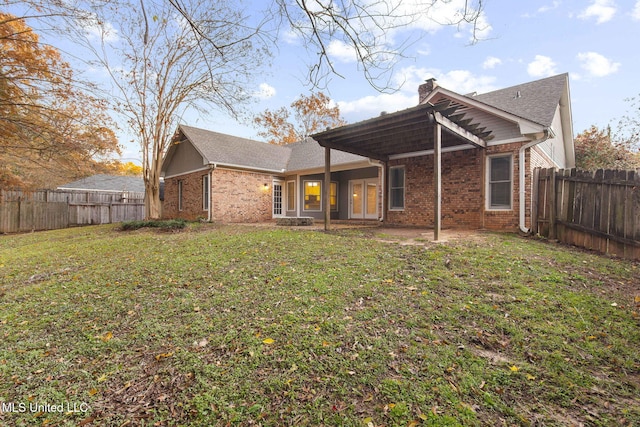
x,y
162,67
166,57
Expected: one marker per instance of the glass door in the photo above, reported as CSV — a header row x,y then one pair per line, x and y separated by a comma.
x,y
277,198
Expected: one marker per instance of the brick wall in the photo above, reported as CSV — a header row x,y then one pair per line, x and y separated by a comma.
x,y
240,196
462,198
191,197
237,196
463,189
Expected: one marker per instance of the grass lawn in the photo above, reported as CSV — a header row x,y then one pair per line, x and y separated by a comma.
x,y
231,325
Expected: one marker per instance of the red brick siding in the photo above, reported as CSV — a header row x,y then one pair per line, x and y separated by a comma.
x,y
237,196
463,190
191,197
240,196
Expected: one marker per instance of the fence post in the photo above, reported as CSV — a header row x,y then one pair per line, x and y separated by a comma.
x,y
552,204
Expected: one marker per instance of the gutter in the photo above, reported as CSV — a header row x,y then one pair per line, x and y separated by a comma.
x,y
249,168
548,133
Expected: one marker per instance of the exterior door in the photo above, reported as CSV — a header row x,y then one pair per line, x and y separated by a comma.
x,y
363,199
277,198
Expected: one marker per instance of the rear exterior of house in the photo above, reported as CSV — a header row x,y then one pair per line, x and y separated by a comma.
x,y
207,178
492,145
383,169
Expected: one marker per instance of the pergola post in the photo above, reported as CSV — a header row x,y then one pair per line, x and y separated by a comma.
x,y
437,180
326,188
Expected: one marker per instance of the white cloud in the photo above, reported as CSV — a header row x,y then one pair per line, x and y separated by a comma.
x,y
602,10
265,91
546,8
542,66
461,81
341,51
491,62
597,65
636,11
96,29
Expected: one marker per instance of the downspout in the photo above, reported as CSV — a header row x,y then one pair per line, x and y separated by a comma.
x,y
212,167
548,133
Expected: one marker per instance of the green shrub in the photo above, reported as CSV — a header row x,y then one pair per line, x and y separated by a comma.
x,y
172,224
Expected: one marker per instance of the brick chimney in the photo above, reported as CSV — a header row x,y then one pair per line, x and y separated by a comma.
x,y
426,88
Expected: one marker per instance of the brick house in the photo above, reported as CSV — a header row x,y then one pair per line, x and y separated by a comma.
x,y
464,160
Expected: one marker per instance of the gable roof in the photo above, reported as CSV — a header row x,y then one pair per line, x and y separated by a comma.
x,y
466,120
535,101
106,183
232,151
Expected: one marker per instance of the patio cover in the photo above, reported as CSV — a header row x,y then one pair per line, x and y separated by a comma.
x,y
417,129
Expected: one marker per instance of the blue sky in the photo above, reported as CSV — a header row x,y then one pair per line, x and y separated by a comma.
x,y
592,40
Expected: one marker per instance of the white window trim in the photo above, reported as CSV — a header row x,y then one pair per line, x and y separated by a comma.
x,y
290,195
404,187
488,183
304,183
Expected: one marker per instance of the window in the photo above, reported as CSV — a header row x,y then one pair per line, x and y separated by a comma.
x,y
205,192
312,195
396,188
291,195
500,182
333,196
180,195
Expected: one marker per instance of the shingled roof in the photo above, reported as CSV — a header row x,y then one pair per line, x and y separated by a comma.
x,y
106,183
229,150
535,101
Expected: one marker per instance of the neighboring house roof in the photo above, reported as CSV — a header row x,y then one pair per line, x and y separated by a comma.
x,y
536,101
106,183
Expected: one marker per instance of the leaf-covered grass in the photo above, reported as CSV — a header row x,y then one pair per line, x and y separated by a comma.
x,y
227,325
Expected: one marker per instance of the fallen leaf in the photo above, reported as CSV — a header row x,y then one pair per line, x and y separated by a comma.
x,y
530,377
514,368
268,341
93,391
107,336
102,378
163,355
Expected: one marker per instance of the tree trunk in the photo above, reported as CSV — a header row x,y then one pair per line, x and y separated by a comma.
x,y
152,203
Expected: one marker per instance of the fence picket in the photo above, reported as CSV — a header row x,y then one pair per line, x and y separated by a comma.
x,y
52,209
597,210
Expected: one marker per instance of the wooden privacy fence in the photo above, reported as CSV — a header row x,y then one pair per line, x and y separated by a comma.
x,y
596,210
52,209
